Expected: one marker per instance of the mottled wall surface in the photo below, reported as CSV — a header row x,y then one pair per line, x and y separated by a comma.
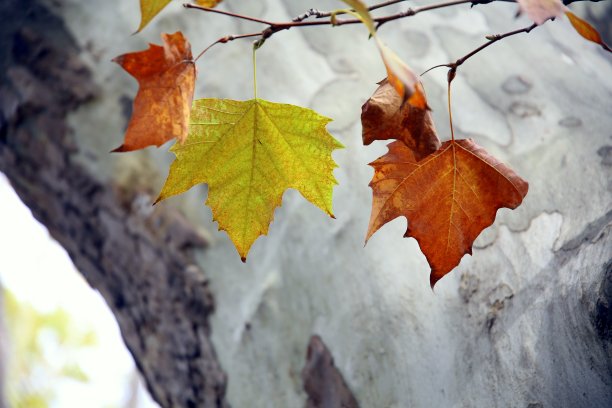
x,y
523,323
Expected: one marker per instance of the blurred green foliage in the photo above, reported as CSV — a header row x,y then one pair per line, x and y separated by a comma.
x,y
43,350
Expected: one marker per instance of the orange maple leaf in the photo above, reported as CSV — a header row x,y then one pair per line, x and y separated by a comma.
x,y
586,30
448,197
384,116
166,76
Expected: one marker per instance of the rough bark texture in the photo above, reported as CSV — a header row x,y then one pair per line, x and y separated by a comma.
x,y
322,381
136,258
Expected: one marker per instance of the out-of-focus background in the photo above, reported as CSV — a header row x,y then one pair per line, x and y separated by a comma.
x,y
60,342
514,321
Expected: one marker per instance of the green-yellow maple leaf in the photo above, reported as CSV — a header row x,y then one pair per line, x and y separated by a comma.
x,y
249,153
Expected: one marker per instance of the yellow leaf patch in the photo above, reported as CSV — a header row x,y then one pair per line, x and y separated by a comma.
x,y
249,153
149,9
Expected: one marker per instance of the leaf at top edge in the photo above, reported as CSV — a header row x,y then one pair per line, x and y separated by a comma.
x,y
586,30
364,14
166,78
208,3
249,153
541,10
449,197
148,10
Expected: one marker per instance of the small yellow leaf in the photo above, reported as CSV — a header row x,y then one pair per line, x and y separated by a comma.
x,y
249,153
364,14
149,9
586,30
208,3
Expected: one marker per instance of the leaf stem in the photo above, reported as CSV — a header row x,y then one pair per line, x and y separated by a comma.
x,y
255,69
451,76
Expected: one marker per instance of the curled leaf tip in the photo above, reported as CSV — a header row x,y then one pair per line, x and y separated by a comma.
x,y
120,149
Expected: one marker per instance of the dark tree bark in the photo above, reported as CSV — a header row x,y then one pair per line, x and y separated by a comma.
x,y
138,261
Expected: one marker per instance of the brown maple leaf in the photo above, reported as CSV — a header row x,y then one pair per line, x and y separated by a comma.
x,y
448,197
166,77
385,117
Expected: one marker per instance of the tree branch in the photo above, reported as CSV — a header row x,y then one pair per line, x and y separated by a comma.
x,y
138,260
274,27
492,40
227,13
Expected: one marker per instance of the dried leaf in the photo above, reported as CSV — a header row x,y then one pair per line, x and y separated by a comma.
x,y
384,117
448,197
540,11
249,153
399,74
402,78
166,77
586,30
149,9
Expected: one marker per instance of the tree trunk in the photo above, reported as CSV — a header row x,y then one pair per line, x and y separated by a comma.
x,y
135,257
525,322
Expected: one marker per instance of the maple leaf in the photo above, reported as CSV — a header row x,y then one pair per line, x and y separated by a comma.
x,y
384,117
249,153
586,30
448,197
399,74
541,10
166,77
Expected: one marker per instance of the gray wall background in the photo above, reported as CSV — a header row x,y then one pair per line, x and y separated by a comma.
x,y
522,323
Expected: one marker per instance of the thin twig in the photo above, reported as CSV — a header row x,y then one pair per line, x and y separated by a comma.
x,y
226,39
287,25
492,40
227,13
325,14
274,27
